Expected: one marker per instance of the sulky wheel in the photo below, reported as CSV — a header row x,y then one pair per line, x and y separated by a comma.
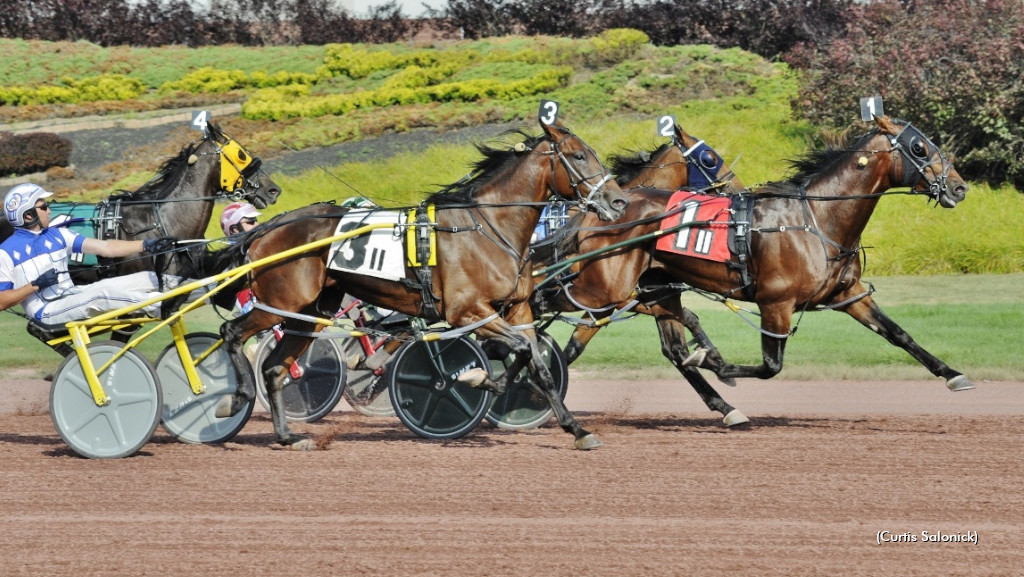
x,y
522,406
366,390
317,391
119,428
425,394
191,418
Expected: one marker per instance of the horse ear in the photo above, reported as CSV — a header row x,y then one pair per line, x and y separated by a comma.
x,y
192,159
681,134
886,125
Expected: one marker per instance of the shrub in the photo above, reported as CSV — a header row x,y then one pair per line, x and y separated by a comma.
x,y
953,68
32,152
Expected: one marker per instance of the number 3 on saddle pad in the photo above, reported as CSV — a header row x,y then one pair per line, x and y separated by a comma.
x,y
378,253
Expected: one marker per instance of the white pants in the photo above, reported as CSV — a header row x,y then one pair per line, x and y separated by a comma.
x,y
90,300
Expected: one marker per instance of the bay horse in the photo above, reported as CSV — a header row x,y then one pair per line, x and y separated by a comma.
x,y
804,246
805,241
482,273
605,283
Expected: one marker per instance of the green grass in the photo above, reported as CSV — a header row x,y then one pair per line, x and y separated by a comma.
x,y
972,322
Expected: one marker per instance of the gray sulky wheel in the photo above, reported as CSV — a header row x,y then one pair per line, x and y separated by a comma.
x,y
424,392
126,423
191,418
522,406
366,390
313,395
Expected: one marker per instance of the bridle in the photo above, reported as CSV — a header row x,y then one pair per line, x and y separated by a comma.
x,y
708,163
575,178
910,146
239,171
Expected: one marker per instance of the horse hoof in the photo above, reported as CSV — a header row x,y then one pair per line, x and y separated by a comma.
x,y
473,377
225,407
587,443
959,383
728,381
696,358
735,417
302,445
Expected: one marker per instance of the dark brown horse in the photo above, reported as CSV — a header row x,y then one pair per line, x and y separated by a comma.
x,y
483,230
805,241
605,283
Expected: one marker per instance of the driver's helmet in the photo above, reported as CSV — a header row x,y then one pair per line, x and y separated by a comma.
x,y
234,213
21,199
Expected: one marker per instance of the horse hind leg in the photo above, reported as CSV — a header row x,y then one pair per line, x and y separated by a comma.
x,y
275,374
673,346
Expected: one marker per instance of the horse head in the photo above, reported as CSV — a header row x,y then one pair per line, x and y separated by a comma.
x,y
918,163
582,169
240,173
685,163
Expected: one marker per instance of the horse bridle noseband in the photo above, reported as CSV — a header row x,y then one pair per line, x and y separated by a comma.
x,y
575,178
908,145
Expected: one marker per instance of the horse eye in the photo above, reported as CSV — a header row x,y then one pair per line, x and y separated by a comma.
x,y
709,159
241,155
917,147
580,156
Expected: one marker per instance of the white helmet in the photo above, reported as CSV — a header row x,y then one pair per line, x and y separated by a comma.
x,y
21,199
234,213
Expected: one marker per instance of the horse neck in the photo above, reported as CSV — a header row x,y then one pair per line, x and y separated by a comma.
x,y
187,215
662,172
515,222
845,219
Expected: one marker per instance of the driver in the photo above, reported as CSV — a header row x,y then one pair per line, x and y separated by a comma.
x,y
34,265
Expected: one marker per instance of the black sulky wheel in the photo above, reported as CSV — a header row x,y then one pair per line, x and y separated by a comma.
x,y
424,392
523,406
317,391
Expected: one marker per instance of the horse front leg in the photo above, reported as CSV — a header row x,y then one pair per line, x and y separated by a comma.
x,y
581,336
673,346
275,375
869,314
234,334
522,344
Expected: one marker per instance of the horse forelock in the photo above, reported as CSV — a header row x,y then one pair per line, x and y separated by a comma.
x,y
496,159
627,165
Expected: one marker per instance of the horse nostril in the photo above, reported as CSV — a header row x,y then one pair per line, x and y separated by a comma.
x,y
960,190
620,204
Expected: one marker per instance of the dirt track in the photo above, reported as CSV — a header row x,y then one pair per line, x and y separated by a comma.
x,y
804,490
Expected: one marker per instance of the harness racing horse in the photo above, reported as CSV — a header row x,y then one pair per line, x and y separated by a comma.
x,y
177,202
213,168
805,241
605,283
481,278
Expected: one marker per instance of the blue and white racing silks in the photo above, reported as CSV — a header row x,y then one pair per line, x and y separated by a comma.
x,y
27,254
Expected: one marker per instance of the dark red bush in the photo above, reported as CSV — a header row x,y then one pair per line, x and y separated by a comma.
x,y
32,152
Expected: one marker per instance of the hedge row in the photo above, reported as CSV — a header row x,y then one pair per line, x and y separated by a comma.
x,y
33,152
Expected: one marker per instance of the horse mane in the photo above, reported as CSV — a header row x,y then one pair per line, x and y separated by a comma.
x,y
495,159
627,165
171,171
836,146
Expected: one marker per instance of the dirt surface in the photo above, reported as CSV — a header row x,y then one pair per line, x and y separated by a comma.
x,y
823,469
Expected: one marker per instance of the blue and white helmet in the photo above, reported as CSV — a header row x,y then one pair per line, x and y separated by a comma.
x,y
20,199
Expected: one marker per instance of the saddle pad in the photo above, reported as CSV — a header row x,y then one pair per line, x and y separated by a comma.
x,y
80,218
378,253
706,241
